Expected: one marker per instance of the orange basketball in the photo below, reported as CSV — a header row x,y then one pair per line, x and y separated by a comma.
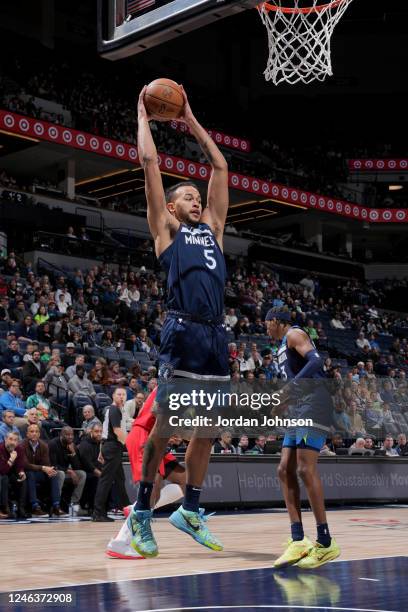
x,y
164,99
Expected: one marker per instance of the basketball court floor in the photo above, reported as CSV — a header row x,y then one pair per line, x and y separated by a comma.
x,y
67,557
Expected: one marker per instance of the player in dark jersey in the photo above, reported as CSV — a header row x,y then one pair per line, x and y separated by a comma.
x,y
301,365
188,243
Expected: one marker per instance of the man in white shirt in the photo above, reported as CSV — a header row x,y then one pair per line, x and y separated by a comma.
x,y
362,342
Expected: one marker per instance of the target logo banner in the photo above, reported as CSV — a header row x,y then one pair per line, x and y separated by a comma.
x,y
43,130
232,142
391,164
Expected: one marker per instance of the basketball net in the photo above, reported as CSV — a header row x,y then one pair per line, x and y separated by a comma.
x,y
299,38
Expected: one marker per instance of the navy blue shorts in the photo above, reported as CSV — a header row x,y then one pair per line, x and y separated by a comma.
x,y
193,350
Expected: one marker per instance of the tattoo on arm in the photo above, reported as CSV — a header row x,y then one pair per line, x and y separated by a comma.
x,y
148,455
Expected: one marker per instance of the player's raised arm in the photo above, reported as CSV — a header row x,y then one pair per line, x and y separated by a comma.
x,y
158,217
217,197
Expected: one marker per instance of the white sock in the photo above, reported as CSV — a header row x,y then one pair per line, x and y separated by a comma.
x,y
124,533
169,494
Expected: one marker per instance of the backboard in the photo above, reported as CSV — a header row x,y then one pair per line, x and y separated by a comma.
x,y
128,27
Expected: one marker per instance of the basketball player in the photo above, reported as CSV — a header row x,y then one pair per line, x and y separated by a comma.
x,y
188,244
298,361
169,469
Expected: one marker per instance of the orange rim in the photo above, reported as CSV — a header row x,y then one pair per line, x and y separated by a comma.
x,y
304,11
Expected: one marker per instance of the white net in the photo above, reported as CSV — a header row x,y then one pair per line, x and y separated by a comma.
x,y
299,35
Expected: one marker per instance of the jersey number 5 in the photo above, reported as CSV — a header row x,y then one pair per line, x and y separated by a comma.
x,y
211,262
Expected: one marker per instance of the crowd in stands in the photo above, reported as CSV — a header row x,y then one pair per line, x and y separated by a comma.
x,y
100,104
68,341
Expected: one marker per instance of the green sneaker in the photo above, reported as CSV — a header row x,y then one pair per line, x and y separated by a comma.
x,y
295,550
142,540
194,523
318,555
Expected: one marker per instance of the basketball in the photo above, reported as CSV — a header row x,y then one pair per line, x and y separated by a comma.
x,y
164,99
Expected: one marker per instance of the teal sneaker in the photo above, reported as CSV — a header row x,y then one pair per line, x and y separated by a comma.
x,y
194,523
142,540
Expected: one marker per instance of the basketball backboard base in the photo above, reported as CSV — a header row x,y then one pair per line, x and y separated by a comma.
x,y
130,27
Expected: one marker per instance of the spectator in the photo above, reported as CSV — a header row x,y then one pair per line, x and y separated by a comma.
x,y
132,389
41,316
11,400
89,419
243,445
369,443
131,409
64,457
40,472
231,319
89,450
46,413
32,419
71,370
336,442
358,447
12,475
388,447
80,383
68,358
258,448
116,375
362,342
112,448
33,371
7,426
341,419
26,330
145,342
356,422
311,331
45,333
12,358
57,384
336,322
326,452
100,373
224,444
402,446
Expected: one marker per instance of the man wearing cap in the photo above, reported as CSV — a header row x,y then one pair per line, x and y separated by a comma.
x,y
307,396
68,359
6,379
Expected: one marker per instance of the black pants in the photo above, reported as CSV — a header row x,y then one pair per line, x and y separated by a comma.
x,y
10,487
112,472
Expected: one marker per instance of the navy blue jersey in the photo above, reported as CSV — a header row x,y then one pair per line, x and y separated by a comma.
x,y
196,272
290,362
314,401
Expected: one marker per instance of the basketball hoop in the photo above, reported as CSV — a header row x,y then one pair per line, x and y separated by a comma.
x,y
299,38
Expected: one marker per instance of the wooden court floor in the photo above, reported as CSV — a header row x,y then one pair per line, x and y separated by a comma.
x,y
61,554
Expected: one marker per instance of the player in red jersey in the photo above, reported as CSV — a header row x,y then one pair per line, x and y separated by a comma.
x,y
169,469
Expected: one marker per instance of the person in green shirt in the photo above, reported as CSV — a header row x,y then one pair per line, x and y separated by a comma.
x,y
41,316
311,330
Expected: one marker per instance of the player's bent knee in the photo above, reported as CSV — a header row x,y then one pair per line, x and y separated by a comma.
x,y
306,472
283,472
